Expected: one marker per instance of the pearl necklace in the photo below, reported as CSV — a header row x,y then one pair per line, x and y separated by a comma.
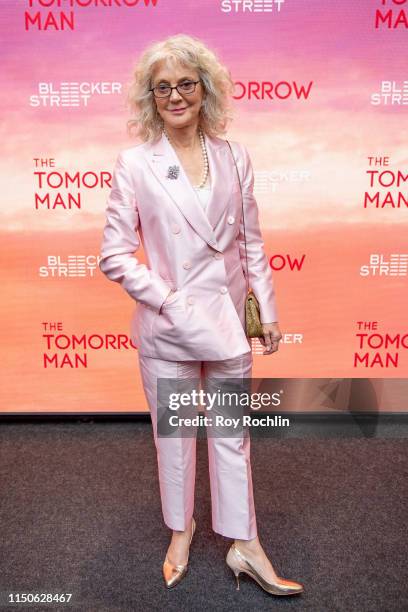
x,y
205,156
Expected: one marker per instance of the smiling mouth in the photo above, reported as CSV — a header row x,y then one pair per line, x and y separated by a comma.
x,y
173,110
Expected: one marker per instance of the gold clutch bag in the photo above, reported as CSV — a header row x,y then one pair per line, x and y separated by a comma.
x,y
252,317
253,325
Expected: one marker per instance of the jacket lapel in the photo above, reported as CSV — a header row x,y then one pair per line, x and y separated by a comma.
x,y
221,172
160,155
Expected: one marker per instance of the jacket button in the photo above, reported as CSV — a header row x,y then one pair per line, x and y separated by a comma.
x,y
217,255
187,265
223,290
190,299
230,219
175,228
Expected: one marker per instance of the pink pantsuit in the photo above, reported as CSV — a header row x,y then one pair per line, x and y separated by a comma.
x,y
199,254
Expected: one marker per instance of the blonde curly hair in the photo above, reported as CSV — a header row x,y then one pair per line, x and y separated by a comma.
x,y
215,112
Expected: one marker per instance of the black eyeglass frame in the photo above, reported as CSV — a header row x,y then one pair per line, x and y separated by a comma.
x,y
176,87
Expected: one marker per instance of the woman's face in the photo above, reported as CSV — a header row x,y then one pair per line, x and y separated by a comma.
x,y
188,103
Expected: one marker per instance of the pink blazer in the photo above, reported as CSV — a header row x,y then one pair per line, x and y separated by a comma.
x,y
199,254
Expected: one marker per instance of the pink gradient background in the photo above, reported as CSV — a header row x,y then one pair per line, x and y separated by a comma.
x,y
330,135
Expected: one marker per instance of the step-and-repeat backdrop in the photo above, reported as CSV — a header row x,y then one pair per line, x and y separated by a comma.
x,y
321,95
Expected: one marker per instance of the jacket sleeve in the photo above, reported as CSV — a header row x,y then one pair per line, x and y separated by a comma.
x,y
121,240
260,273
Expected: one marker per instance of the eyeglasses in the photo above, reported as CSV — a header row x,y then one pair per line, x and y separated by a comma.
x,y
163,91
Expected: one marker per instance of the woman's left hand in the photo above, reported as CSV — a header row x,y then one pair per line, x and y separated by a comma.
x,y
271,337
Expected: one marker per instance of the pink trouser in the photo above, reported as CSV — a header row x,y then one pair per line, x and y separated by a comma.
x,y
232,500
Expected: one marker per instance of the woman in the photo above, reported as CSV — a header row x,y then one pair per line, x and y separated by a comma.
x,y
178,193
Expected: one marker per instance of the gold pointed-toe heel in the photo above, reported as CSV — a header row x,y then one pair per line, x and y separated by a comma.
x,y
173,574
238,563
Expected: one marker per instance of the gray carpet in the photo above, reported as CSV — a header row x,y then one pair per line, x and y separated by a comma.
x,y
80,514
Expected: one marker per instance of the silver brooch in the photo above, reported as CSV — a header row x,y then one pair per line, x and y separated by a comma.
x,y
173,172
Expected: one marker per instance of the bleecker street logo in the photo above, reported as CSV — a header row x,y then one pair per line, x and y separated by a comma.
x,y
71,266
58,15
269,181
391,93
287,338
379,264
72,93
251,6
